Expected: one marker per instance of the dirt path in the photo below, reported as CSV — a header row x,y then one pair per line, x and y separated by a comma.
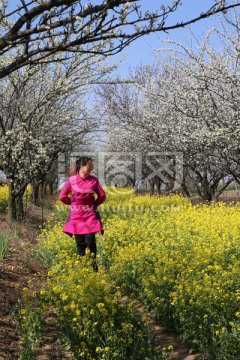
x,y
164,339
18,267
21,266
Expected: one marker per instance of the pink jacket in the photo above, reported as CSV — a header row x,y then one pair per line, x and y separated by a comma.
x,y
83,217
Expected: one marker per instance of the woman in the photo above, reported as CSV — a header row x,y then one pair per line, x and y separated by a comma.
x,y
83,219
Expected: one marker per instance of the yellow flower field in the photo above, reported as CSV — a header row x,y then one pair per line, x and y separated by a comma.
x,y
3,198
182,261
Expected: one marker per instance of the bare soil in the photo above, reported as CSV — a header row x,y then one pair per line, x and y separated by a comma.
x,y
17,269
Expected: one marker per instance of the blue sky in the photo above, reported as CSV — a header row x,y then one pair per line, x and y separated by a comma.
x,y
142,50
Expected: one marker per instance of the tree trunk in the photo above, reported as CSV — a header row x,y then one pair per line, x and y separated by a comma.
x,y
219,192
158,183
11,203
45,184
20,213
15,204
185,190
207,195
35,194
51,188
206,192
151,182
169,185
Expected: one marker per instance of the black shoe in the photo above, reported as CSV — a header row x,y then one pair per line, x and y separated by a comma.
x,y
95,267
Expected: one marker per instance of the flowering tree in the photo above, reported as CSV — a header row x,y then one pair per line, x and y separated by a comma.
x,y
43,113
229,92
128,130
188,104
33,31
203,91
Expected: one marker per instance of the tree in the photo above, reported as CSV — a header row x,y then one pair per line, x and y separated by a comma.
x,y
189,104
129,131
43,113
204,98
33,31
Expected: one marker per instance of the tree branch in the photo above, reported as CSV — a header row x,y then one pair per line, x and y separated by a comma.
x,y
59,26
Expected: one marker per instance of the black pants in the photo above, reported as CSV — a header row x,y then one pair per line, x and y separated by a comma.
x,y
84,241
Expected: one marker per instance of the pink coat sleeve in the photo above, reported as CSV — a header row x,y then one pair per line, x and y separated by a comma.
x,y
63,196
101,196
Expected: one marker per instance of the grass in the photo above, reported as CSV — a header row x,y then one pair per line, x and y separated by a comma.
x,y
4,242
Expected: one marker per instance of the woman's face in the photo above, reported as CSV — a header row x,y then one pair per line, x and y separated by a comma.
x,y
88,167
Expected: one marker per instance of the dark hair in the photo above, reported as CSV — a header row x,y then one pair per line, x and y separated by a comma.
x,y
75,167
82,161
